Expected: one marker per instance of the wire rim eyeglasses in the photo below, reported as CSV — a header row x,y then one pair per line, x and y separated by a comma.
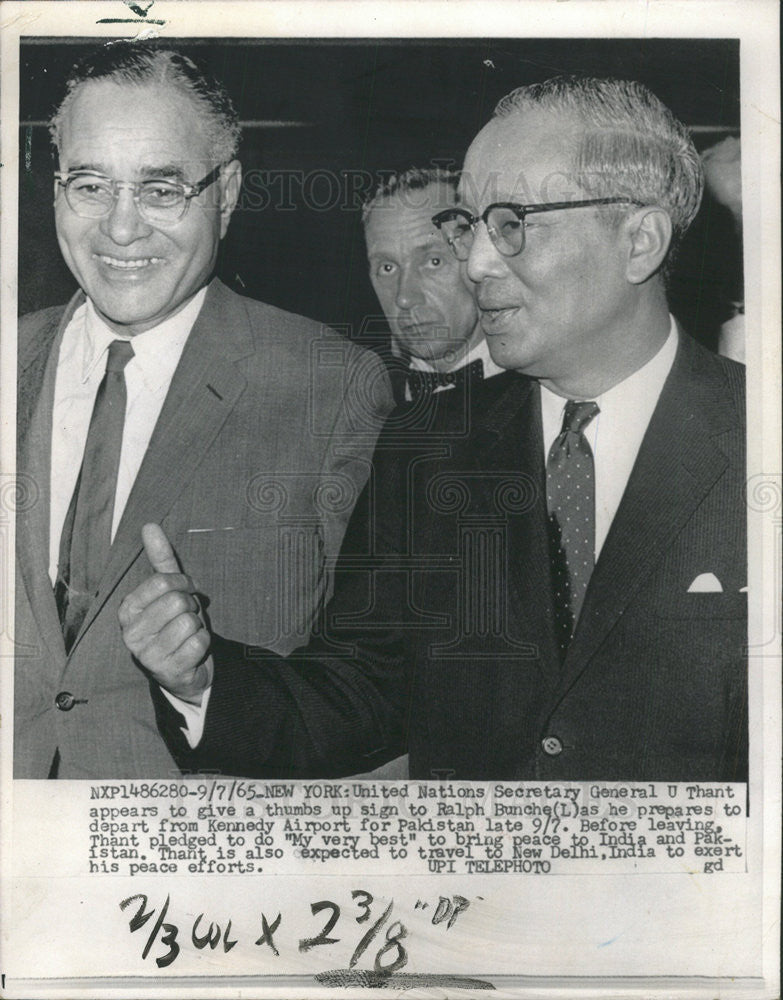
x,y
160,200
505,222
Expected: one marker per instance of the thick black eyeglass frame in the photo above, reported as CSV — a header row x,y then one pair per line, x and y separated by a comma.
x,y
62,177
521,211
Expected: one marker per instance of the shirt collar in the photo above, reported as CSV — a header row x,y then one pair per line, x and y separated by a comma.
x,y
156,352
637,394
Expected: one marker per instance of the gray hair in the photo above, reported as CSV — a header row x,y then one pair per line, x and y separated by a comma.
x,y
139,64
631,144
413,179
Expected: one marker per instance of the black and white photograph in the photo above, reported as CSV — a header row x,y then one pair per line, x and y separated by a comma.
x,y
392,544
473,624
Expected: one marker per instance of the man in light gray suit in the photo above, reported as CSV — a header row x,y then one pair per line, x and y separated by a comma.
x,y
157,394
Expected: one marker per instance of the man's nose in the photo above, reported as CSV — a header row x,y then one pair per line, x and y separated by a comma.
x,y
124,225
409,293
484,261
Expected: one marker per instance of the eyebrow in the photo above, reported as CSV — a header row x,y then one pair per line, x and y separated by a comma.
x,y
95,168
169,170
436,243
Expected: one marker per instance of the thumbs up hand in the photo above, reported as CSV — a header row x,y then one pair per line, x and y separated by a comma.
x,y
162,625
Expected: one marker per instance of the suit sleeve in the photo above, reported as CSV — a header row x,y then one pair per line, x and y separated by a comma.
x,y
365,404
337,706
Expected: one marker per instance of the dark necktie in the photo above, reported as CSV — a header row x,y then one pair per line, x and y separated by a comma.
x,y
570,489
86,536
423,384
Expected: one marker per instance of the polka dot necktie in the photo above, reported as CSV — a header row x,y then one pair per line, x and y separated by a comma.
x,y
86,536
570,488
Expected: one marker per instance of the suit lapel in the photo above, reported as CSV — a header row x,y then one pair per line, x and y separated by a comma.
x,y
35,401
510,440
677,464
204,390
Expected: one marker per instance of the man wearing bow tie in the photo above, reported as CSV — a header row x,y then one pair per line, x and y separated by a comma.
x,y
428,301
561,594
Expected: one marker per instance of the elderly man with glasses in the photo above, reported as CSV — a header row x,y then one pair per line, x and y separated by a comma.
x,y
561,595
160,395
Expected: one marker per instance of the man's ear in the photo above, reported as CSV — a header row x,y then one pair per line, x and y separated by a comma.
x,y
650,234
230,186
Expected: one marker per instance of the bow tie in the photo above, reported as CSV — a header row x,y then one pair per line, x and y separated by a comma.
x,y
423,384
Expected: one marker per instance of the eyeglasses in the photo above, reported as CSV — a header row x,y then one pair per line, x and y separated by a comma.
x,y
505,222
159,201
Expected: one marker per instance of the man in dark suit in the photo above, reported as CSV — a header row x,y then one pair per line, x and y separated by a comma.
x,y
438,348
563,594
437,343
159,394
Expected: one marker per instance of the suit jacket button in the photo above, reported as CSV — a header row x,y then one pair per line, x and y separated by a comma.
x,y
551,745
65,701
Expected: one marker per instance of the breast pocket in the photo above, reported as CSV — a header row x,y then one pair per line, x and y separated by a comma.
x,y
263,586
718,606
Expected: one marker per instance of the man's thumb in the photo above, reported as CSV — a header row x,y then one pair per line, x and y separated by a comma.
x,y
159,550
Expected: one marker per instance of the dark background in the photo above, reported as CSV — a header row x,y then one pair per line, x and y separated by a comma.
x,y
324,120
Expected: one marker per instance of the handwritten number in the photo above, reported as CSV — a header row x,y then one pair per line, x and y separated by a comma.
x,y
361,947
307,943
364,904
392,940
394,933
141,918
169,938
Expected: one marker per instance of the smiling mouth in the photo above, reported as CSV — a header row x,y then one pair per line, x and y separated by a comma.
x,y
133,264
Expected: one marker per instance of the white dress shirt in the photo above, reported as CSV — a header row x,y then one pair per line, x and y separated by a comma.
x,y
81,366
615,434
